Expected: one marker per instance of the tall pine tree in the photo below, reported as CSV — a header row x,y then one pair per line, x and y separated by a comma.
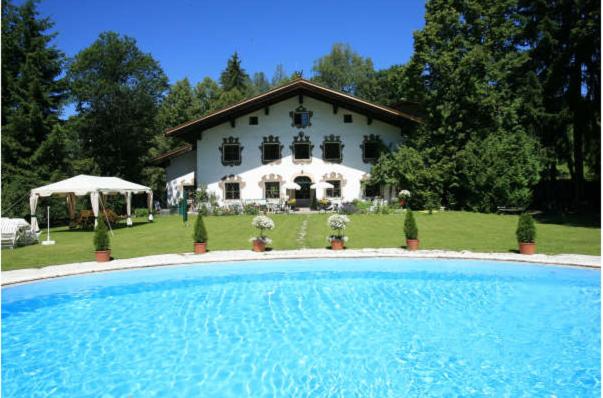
x,y
32,95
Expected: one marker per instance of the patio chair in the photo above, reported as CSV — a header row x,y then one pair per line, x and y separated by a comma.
x,y
16,232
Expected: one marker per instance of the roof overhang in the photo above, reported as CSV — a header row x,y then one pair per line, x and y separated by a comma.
x,y
165,157
297,87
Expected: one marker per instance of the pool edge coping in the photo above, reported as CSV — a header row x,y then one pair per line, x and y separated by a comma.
x,y
28,275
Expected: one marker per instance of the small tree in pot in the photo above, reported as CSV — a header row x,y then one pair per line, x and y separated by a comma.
x,y
262,223
411,231
526,234
200,236
338,223
102,242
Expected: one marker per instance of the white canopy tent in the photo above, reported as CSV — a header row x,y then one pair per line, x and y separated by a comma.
x,y
94,186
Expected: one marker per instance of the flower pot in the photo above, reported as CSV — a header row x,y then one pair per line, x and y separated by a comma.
x,y
259,245
200,248
527,248
412,244
103,256
337,244
402,202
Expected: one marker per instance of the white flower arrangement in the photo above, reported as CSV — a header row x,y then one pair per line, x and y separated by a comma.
x,y
262,223
338,223
404,194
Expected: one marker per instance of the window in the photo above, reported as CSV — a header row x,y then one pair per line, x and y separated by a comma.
x,y
371,148
371,191
272,152
231,151
332,148
272,190
347,118
271,149
301,151
301,147
231,191
334,192
253,120
300,117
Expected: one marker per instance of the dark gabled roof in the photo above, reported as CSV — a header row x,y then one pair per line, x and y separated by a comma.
x,y
164,157
296,87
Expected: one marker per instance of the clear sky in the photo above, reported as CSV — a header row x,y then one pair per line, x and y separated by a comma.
x,y
195,38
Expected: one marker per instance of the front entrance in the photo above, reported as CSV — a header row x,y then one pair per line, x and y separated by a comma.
x,y
303,196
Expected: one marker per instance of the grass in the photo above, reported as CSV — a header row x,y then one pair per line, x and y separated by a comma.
x,y
447,230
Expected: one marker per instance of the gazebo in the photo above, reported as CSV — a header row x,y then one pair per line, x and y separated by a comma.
x,y
94,186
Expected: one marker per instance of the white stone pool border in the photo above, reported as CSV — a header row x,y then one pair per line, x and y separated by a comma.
x,y
55,271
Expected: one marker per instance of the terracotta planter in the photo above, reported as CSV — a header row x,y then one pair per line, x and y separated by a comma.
x,y
412,244
527,248
337,244
259,245
103,255
402,202
200,248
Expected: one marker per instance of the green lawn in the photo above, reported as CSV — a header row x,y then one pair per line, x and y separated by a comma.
x,y
447,230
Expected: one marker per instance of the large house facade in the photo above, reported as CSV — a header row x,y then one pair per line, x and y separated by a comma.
x,y
300,133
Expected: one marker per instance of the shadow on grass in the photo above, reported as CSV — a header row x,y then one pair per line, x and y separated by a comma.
x,y
586,220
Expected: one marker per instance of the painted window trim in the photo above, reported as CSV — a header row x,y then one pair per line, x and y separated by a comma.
x,y
332,139
231,141
272,140
301,138
301,109
371,139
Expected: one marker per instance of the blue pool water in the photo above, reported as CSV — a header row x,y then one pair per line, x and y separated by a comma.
x,y
320,328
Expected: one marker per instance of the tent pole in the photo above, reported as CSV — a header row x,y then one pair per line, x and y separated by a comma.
x,y
106,218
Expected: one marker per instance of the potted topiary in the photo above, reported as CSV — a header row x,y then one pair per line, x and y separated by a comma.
x,y
262,223
411,231
403,196
526,234
102,243
338,223
200,236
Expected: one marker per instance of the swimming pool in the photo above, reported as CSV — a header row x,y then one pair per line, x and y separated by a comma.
x,y
365,328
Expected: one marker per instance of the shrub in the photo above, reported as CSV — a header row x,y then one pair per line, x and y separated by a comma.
x,y
410,226
101,237
526,230
200,233
251,210
338,223
141,212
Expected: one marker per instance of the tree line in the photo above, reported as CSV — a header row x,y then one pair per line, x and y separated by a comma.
x,y
508,90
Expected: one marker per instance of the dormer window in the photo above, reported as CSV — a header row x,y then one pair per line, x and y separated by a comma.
x,y
371,148
301,117
231,151
301,147
332,149
271,149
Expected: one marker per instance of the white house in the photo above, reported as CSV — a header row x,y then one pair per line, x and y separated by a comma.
x,y
300,132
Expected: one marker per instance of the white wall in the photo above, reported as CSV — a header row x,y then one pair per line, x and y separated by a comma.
x,y
210,171
180,171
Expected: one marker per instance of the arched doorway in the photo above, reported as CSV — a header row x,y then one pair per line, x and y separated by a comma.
x,y
303,196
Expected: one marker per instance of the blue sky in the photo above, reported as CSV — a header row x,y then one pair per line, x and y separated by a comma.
x,y
195,38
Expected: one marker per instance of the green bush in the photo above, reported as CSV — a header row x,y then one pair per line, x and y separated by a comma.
x,y
200,233
410,226
526,230
141,212
101,237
